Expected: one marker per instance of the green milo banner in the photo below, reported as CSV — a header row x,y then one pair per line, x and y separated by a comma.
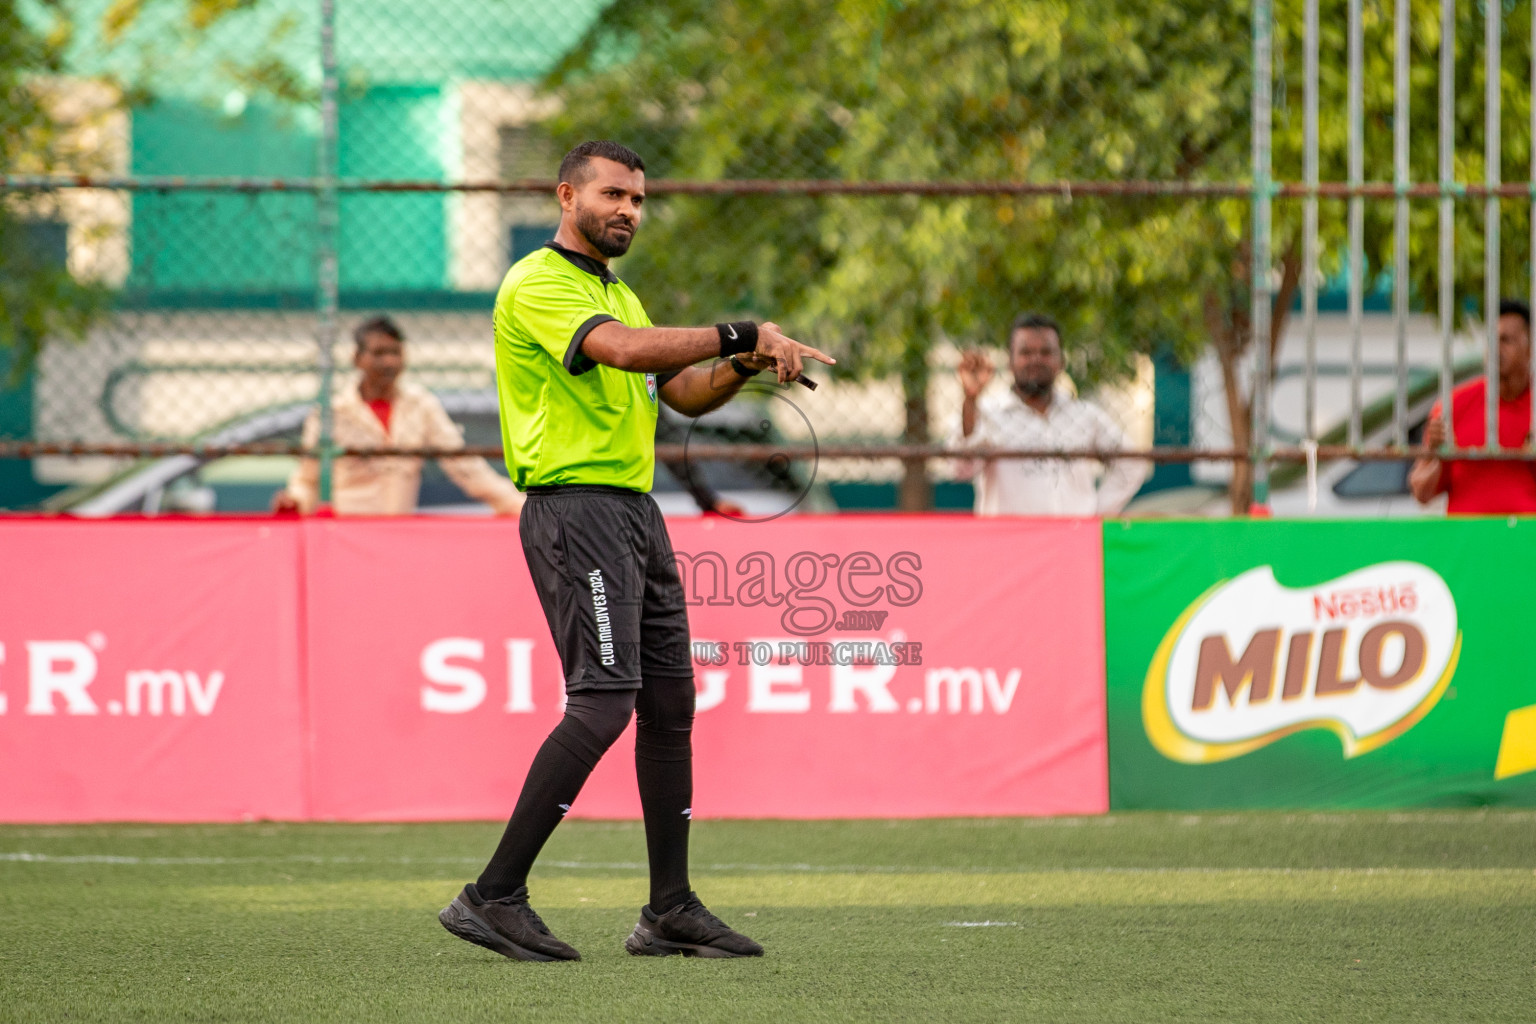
x,y
1321,664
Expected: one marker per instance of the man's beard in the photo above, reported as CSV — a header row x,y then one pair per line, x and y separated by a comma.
x,y
1034,388
596,233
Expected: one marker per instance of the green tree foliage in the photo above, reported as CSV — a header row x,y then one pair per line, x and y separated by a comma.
x,y
1007,90
39,299
152,46
130,49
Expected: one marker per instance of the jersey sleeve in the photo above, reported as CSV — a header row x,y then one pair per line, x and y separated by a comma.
x,y
555,313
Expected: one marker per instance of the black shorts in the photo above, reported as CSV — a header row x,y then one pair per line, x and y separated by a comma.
x,y
603,567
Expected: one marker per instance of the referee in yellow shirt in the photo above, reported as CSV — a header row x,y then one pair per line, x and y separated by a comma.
x,y
580,368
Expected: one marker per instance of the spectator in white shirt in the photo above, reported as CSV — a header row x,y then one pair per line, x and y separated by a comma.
x,y
1035,414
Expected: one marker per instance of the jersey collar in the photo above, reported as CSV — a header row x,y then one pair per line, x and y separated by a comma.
x,y
584,262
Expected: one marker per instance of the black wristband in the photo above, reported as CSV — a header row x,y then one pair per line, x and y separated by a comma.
x,y
738,337
742,368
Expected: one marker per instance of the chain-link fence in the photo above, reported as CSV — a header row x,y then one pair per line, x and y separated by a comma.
x,y
233,186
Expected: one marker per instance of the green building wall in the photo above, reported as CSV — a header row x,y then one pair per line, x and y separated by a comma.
x,y
401,62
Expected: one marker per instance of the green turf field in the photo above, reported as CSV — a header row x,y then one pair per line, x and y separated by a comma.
x,y
1424,916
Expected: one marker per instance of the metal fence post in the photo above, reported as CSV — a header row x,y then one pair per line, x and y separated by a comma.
x,y
1447,210
1261,316
326,225
1492,28
1356,117
1400,181
1309,213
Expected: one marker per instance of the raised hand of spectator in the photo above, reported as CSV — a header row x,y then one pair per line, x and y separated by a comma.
x,y
1434,434
1426,477
975,372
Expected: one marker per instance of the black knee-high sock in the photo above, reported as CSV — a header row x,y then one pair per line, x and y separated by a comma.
x,y
664,770
592,722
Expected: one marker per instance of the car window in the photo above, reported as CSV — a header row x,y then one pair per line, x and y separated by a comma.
x,y
1375,480
437,490
239,483
776,474
1387,479
247,484
480,429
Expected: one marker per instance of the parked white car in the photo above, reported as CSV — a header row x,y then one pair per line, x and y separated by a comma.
x,y
245,484
1343,488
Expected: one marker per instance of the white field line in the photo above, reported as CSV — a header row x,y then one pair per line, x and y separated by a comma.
x,y
1367,818
25,857
1111,820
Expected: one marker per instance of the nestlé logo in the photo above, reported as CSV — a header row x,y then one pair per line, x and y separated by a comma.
x,y
1366,656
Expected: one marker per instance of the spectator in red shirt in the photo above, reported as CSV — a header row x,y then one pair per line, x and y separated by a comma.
x,y
1478,487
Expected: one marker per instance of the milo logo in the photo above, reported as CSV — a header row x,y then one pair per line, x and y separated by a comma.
x,y
1366,656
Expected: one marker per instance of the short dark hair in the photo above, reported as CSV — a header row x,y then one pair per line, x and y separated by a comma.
x,y
1518,308
1033,322
380,324
574,168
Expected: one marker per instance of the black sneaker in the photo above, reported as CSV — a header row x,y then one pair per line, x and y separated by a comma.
x,y
690,929
507,926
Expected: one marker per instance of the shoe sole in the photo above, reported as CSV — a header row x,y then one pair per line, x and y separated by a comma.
x,y
644,942
461,921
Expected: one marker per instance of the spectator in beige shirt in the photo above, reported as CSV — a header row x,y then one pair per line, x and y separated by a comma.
x,y
383,411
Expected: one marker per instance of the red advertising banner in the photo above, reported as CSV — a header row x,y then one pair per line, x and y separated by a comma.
x,y
847,667
149,670
402,669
